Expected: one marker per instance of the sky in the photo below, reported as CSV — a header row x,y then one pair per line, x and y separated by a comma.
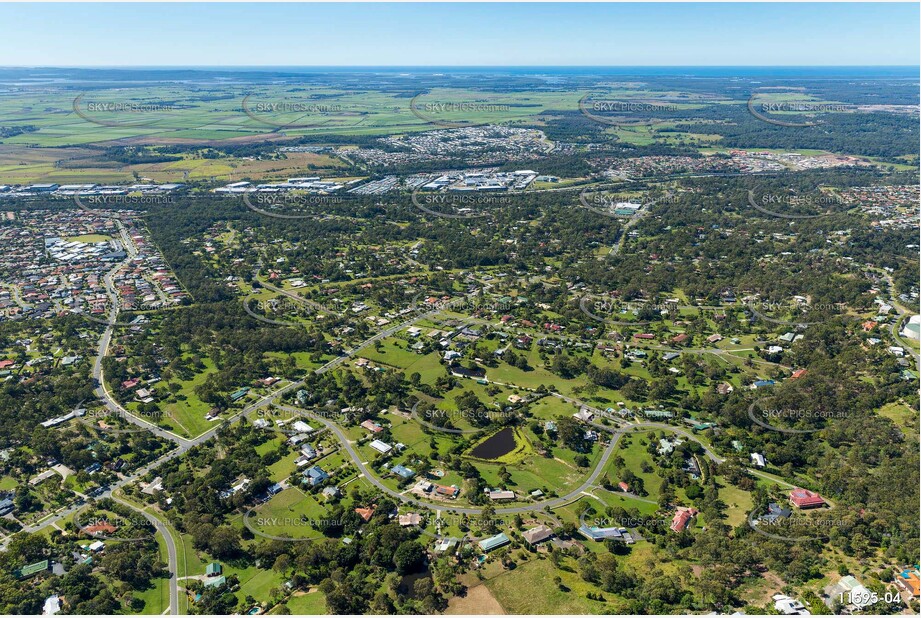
x,y
430,34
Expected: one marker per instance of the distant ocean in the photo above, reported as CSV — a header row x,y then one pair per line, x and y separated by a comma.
x,y
72,76
685,71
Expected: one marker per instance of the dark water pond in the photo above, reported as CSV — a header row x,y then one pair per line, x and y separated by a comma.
x,y
496,445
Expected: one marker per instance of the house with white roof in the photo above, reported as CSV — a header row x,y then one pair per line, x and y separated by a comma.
x,y
380,447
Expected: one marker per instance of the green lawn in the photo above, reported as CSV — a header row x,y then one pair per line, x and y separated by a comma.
x,y
550,408
309,604
738,502
256,582
532,379
288,515
634,454
156,599
268,446
904,417
393,352
283,468
89,238
190,561
615,498
186,415
529,589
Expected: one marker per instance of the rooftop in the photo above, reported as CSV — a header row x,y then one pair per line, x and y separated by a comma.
x,y
494,542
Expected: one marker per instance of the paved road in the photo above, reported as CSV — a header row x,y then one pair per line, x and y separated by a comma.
x,y
292,295
628,494
636,218
632,427
388,332
903,315
106,339
116,408
70,510
184,444
105,396
618,433
894,331
448,506
171,553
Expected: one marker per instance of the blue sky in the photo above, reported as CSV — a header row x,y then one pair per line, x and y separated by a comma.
x,y
417,34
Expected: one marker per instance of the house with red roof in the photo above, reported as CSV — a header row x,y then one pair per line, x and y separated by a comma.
x,y
682,518
365,513
805,499
909,581
799,373
450,492
100,528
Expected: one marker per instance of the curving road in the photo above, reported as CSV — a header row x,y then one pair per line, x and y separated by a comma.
x,y
903,314
618,433
292,295
636,218
170,550
70,510
184,444
447,506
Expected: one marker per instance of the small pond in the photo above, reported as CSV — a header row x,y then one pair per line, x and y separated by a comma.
x,y
496,445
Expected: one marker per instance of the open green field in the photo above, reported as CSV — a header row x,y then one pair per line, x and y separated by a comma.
x,y
739,503
506,374
518,592
306,604
550,475
168,113
288,514
902,415
257,583
187,413
549,408
283,468
393,352
645,506
89,238
635,455
411,433
156,598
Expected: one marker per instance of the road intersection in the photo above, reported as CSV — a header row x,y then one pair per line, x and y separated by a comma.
x,y
182,444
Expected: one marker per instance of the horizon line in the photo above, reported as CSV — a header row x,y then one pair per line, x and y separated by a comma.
x,y
454,66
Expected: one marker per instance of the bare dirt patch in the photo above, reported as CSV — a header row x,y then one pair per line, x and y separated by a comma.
x,y
479,600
